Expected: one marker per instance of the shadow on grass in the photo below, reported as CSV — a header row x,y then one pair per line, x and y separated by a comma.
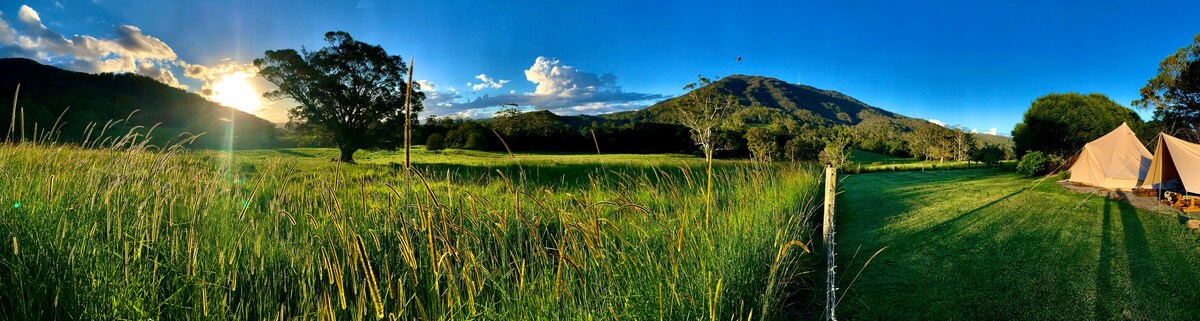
x,y
1104,284
1142,269
293,153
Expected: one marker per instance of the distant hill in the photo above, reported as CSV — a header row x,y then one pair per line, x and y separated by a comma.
x,y
803,103
47,91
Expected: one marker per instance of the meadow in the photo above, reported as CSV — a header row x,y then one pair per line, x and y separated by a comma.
x,y
130,231
988,244
860,162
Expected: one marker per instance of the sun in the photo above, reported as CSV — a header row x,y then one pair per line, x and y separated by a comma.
x,y
234,90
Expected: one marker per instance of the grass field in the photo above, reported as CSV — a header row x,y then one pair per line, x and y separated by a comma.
x,y
126,233
985,244
868,162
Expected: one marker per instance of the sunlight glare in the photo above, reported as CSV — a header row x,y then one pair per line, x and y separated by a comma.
x,y
234,90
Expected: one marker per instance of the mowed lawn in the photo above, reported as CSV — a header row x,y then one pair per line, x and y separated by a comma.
x,y
987,244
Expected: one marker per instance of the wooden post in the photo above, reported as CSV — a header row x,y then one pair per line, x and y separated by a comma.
x,y
827,233
408,114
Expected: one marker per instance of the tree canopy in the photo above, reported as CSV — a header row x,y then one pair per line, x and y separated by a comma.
x,y
349,92
1060,124
1175,92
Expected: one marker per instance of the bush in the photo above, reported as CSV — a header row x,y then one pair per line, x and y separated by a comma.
x,y
989,154
1034,163
435,142
476,141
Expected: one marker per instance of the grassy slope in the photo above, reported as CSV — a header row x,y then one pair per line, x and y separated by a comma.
x,y
983,244
138,235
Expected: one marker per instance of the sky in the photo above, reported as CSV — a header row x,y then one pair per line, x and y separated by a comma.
x,y
978,64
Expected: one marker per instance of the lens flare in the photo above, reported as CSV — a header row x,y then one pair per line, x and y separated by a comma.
x,y
234,90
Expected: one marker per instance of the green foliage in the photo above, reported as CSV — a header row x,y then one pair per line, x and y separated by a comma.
x,y
1174,92
837,144
988,154
1034,163
435,142
1061,124
351,93
763,143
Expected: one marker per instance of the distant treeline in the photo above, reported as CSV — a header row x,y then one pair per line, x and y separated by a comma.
x,y
748,132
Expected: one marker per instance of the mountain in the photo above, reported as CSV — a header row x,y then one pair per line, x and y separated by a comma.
x,y
47,91
803,103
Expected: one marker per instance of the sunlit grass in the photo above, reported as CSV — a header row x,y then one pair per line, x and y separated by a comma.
x,y
985,243
127,233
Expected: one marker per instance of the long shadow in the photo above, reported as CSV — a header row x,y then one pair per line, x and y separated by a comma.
x,y
1104,266
1142,269
930,234
293,153
893,194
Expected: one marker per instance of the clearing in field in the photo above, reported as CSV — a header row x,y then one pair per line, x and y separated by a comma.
x,y
987,244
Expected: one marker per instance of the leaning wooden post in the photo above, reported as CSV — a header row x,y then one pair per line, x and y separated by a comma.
x,y
827,232
408,114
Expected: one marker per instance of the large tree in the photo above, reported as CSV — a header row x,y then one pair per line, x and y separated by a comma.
x,y
1175,92
1061,124
350,92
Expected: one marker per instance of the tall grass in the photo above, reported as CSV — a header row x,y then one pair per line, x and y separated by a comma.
x,y
124,230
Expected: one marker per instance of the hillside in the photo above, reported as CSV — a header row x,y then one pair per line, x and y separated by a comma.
x,y
804,103
47,91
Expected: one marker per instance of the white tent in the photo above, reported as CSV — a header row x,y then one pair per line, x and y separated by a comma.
x,y
1176,162
1117,160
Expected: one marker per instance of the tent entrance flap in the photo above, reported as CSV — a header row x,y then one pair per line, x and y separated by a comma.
x,y
1176,165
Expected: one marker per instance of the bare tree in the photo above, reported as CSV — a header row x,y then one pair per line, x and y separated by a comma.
x,y
702,109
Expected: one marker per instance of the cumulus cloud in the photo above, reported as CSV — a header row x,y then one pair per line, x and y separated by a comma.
x,y
560,88
486,82
131,51
209,75
938,122
992,131
437,99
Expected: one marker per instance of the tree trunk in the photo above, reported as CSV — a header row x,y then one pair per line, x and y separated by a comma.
x,y
346,154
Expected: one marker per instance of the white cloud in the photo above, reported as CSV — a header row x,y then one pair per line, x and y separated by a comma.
x,y
436,99
938,122
992,131
553,78
130,51
560,88
487,82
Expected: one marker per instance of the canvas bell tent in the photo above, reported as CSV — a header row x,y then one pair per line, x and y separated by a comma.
x,y
1117,160
1176,165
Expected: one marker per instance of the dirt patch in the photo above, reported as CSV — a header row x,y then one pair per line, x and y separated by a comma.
x,y
1148,203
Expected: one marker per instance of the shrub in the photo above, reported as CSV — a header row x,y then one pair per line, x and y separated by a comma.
x,y
1034,163
476,141
435,142
989,154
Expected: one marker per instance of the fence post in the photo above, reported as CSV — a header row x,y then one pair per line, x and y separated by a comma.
x,y
827,232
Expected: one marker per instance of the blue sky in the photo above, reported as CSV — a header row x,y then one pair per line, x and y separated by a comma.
x,y
974,63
